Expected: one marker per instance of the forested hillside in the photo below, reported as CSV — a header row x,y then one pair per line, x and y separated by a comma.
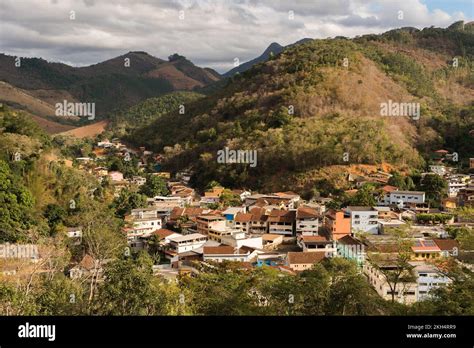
x,y
305,108
120,82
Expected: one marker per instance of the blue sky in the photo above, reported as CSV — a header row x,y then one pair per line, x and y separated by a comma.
x,y
452,6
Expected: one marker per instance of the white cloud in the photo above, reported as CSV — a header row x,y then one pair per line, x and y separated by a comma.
x,y
212,33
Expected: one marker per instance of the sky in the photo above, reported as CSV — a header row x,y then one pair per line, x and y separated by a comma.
x,y
210,33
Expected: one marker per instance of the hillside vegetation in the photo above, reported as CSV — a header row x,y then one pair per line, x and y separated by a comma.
x,y
142,114
112,84
304,109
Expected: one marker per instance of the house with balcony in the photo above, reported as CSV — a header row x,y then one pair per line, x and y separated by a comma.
x,y
182,244
282,222
212,196
165,235
428,278
242,222
144,213
206,222
307,221
315,244
258,221
456,183
221,229
425,249
403,292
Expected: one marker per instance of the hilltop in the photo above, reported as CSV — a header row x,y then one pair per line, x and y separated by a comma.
x,y
304,108
117,83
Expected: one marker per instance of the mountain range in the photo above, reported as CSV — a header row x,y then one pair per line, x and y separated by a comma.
x,y
308,108
114,84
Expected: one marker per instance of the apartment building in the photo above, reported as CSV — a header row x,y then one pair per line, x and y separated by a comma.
x,y
363,219
337,223
282,222
403,198
206,222
307,221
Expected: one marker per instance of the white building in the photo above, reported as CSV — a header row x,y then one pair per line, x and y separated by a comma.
x,y
74,232
239,239
428,278
151,224
143,213
228,253
281,222
438,169
456,183
363,219
187,242
403,198
307,221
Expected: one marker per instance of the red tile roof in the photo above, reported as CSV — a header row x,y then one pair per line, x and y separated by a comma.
x,y
243,217
446,244
218,250
312,239
163,233
306,212
305,257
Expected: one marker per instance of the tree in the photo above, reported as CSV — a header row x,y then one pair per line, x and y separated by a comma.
x,y
55,215
434,187
364,196
229,199
400,181
349,291
222,289
16,205
155,186
128,200
59,296
131,289
396,269
102,240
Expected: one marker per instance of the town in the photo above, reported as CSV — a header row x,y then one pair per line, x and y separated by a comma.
x,y
281,230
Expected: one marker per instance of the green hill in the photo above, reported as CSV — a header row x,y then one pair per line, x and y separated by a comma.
x,y
304,109
114,84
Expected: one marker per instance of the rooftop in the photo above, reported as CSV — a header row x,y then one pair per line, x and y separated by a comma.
x,y
305,257
188,237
